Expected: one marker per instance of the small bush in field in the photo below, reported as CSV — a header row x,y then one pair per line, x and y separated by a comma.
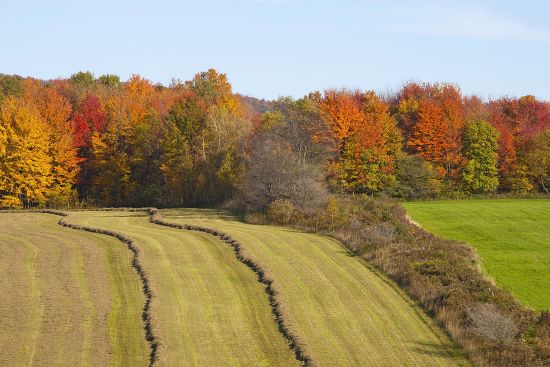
x,y
280,211
489,323
380,233
62,199
332,212
255,218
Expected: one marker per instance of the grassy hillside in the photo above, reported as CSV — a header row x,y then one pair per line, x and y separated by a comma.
x,y
208,309
344,313
74,299
68,297
512,238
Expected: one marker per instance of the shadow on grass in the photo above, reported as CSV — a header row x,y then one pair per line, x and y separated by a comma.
x,y
193,213
435,350
125,216
348,253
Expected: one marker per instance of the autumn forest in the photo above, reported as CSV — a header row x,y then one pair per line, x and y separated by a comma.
x,y
99,141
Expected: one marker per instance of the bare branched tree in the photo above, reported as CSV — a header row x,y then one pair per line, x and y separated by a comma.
x,y
284,163
489,323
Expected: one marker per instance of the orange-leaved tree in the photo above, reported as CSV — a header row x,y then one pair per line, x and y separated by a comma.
x,y
519,121
432,118
367,140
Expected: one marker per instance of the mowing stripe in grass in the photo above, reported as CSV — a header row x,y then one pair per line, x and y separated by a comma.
x,y
146,316
343,313
209,309
58,296
292,340
18,271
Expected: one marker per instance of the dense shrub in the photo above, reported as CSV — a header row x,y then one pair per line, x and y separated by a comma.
x,y
416,179
280,211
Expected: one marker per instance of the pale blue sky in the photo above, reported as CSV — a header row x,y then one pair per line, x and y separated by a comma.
x,y
287,47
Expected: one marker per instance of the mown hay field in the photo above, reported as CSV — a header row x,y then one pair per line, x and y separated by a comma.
x,y
73,297
208,309
344,313
512,238
69,298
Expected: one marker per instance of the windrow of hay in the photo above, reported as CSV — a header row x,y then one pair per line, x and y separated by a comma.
x,y
343,311
146,315
293,341
295,345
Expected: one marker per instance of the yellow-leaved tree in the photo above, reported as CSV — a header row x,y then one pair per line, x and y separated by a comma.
x,y
55,110
25,166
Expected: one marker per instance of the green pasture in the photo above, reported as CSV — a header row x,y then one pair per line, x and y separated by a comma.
x,y
512,238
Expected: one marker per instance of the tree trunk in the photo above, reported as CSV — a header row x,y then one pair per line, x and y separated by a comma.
x,y
543,185
203,149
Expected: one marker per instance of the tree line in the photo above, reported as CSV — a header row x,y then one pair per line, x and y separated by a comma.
x,y
101,141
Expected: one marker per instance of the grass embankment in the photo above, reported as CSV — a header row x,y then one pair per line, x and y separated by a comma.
x,y
343,312
208,309
512,238
68,297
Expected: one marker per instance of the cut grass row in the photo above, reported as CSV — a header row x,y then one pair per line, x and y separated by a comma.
x,y
69,298
512,238
344,313
208,308
79,301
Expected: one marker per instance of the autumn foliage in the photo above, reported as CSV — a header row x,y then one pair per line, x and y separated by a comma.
x,y
87,141
519,121
367,140
101,141
432,117
38,161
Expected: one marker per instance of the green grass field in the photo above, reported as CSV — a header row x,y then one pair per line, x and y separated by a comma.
x,y
345,313
69,298
512,238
